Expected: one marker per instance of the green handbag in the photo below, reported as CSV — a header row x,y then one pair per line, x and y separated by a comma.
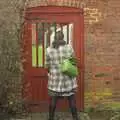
x,y
68,67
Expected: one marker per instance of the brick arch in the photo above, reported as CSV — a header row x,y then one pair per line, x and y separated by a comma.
x,y
67,3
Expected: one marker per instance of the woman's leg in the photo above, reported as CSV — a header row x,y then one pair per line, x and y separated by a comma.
x,y
52,107
72,105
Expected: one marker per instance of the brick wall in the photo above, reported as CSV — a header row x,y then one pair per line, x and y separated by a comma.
x,y
102,49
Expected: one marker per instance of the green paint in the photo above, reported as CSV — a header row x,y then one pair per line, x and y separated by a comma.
x,y
40,56
34,56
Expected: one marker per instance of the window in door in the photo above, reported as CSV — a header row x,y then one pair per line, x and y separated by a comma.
x,y
43,34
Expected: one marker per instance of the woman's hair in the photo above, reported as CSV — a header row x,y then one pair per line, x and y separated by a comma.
x,y
59,35
58,39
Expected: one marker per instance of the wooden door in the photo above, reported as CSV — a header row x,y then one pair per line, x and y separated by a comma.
x,y
41,24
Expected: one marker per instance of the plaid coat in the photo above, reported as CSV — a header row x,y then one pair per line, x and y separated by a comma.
x,y
57,81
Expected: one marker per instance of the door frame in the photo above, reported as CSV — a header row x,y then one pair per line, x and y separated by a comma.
x,y
33,13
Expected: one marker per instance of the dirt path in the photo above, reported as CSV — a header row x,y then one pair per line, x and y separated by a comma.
x,y
62,116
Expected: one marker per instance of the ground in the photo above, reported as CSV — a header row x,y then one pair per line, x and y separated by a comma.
x,y
67,116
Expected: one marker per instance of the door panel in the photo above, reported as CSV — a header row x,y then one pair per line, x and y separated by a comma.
x,y
40,30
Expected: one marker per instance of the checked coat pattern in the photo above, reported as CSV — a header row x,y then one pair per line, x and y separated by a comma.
x,y
58,81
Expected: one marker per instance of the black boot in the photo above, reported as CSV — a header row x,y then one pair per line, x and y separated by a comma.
x,y
74,114
52,107
51,112
72,104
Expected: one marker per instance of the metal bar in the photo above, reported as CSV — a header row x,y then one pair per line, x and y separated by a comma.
x,y
61,27
37,42
48,37
55,28
43,43
68,34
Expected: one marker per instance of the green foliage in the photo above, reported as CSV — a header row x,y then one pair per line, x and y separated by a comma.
x,y
10,66
9,72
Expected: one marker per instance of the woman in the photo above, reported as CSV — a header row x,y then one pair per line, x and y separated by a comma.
x,y
59,84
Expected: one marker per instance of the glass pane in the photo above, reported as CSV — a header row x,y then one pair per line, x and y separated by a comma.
x,y
34,57
37,44
40,44
40,56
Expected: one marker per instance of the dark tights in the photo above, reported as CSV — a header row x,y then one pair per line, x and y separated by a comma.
x,y
72,105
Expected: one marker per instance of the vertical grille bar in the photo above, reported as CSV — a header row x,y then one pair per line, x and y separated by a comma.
x,y
48,37
61,27
37,44
67,33
55,28
43,43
